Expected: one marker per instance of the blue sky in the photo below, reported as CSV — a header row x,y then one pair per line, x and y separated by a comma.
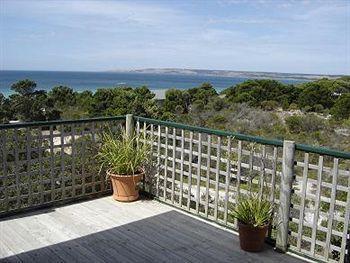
x,y
264,35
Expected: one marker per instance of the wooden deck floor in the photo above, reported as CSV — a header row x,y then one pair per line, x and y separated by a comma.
x,y
103,230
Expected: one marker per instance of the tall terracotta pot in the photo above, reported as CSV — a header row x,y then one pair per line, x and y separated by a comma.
x,y
125,187
251,238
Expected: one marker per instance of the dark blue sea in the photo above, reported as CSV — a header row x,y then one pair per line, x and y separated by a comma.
x,y
80,81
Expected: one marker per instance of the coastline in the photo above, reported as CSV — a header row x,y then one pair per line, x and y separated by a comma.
x,y
157,83
159,93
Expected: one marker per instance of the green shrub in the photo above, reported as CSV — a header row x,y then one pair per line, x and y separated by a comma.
x,y
269,105
293,106
318,108
307,109
217,104
309,123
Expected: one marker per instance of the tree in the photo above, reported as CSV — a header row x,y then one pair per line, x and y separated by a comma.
x,y
5,109
62,96
204,92
102,100
22,101
119,101
84,102
318,92
341,108
144,92
256,92
175,97
24,87
29,104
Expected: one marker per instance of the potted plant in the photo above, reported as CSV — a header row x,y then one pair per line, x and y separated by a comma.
x,y
254,215
124,157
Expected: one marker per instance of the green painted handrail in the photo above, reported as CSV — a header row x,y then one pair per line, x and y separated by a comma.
x,y
322,151
250,138
58,122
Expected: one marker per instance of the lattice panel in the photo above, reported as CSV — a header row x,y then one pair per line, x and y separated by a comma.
x,y
44,164
205,174
321,206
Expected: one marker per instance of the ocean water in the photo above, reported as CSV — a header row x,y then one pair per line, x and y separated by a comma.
x,y
81,81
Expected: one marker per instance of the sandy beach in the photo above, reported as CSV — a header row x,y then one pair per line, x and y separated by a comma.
x,y
160,93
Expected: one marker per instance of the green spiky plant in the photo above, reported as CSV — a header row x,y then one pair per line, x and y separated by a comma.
x,y
253,210
123,154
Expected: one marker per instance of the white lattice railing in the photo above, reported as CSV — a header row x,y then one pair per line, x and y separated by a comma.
x,y
45,163
200,170
204,172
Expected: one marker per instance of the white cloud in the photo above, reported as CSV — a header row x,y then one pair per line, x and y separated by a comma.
x,y
242,20
114,34
68,13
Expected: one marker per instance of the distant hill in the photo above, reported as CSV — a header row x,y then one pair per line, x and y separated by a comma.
x,y
229,73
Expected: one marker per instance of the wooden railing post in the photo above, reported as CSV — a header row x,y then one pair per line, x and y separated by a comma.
x,y
129,125
285,195
347,249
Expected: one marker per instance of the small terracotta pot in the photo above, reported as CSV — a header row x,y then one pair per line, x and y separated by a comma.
x,y
125,187
251,238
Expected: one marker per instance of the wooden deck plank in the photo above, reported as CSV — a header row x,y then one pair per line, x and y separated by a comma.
x,y
84,251
138,238
200,246
227,243
102,216
127,247
37,235
92,226
18,241
44,232
103,230
6,252
153,251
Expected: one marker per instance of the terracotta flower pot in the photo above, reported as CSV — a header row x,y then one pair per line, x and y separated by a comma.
x,y
251,238
125,187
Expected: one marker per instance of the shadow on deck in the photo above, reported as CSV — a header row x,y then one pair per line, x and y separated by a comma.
x,y
107,231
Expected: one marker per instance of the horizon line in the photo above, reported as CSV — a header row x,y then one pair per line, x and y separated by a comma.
x,y
130,70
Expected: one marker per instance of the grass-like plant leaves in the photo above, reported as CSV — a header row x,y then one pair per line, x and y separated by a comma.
x,y
123,155
253,210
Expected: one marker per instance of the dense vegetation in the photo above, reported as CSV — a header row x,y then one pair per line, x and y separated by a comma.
x,y
315,112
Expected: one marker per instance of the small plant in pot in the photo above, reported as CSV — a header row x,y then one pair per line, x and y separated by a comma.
x,y
124,157
254,215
